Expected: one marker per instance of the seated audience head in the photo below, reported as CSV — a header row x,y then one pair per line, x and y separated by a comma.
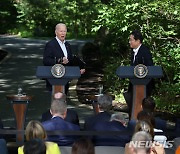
x,y
137,140
148,104
34,146
34,129
59,96
146,116
118,117
58,108
144,126
104,102
83,146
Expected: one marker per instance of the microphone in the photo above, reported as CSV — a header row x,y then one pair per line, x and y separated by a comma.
x,y
136,60
55,60
143,60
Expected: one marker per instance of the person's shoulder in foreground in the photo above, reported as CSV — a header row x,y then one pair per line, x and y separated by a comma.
x,y
3,147
104,104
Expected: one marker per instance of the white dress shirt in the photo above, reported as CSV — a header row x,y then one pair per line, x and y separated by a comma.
x,y
136,51
63,47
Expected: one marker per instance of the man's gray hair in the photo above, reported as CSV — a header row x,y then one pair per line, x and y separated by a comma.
x,y
59,96
60,24
58,106
105,102
118,117
143,140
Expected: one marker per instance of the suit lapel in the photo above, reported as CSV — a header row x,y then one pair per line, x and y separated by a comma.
x,y
68,49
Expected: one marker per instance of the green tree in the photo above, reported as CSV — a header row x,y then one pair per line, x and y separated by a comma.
x,y
41,16
159,21
8,15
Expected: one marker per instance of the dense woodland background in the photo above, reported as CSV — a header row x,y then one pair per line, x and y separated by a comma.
x,y
108,23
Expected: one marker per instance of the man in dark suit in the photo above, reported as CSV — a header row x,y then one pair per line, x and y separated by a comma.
x,y
58,51
59,111
116,123
71,115
140,55
104,104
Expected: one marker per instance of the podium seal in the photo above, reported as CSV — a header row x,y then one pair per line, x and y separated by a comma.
x,y
58,70
140,71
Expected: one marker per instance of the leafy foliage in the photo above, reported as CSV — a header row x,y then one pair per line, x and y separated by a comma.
x,y
7,13
41,16
159,21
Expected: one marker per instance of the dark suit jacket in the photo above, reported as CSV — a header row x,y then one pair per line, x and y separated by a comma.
x,y
53,52
108,140
91,121
143,57
71,116
58,123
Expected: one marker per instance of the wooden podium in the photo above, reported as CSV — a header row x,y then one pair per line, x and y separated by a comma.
x,y
139,84
71,72
19,104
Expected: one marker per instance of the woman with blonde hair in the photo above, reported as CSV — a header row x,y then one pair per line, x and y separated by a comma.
x,y
35,130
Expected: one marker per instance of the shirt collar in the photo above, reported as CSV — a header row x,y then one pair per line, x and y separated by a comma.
x,y
136,50
59,41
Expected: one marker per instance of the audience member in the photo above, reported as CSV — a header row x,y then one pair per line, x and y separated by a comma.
x,y
146,126
116,123
146,116
35,130
71,116
83,146
59,111
136,146
34,146
104,104
142,116
148,104
3,147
